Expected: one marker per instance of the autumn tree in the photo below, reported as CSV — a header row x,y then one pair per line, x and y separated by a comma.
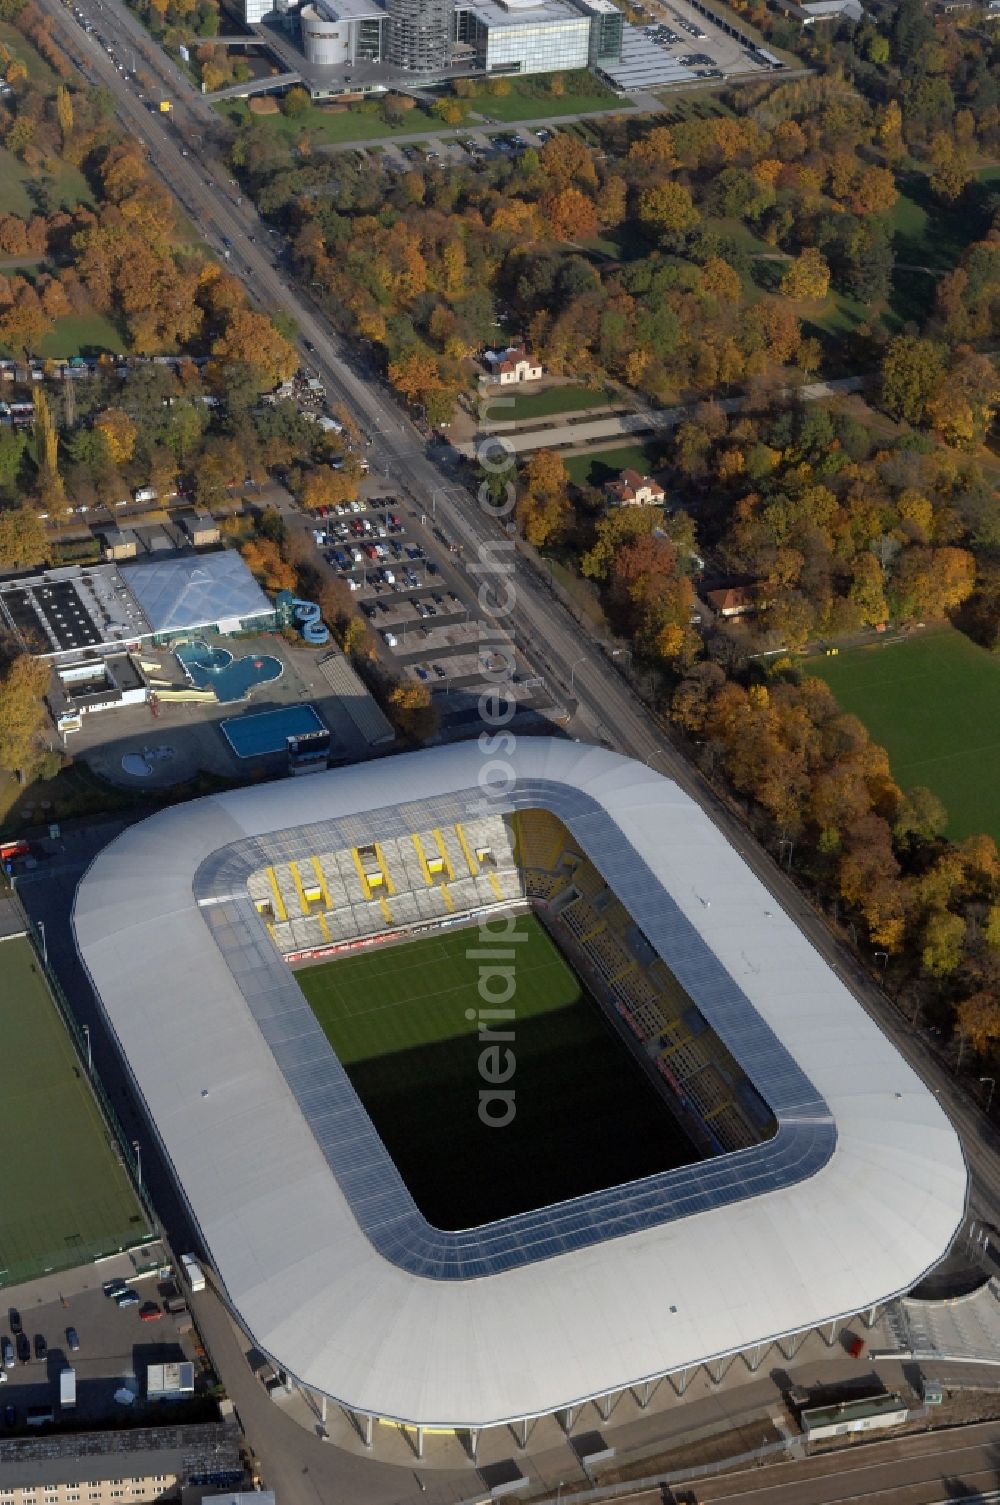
x,y
251,339
668,207
22,712
263,557
808,276
22,538
977,1020
412,711
326,487
118,433
543,507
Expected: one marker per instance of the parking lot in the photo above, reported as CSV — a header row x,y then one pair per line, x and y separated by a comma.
x,y
68,1321
424,625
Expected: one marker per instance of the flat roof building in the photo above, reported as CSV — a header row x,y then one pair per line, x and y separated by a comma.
x,y
79,613
115,1468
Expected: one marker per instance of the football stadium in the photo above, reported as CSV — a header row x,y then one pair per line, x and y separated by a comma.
x,y
494,1087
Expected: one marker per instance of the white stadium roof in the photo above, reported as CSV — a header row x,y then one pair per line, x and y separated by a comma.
x,y
313,1237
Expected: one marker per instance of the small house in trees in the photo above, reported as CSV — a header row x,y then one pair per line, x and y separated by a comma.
x,y
509,367
733,601
633,490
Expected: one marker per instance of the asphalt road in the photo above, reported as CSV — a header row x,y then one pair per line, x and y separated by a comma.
x,y
607,709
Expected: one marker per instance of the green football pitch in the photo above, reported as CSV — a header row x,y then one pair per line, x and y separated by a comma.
x,y
585,1117
64,1197
934,703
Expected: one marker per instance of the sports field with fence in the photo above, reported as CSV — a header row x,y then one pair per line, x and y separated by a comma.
x,y
405,1021
933,702
64,1196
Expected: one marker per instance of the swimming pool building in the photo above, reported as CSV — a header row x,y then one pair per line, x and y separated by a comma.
x,y
79,614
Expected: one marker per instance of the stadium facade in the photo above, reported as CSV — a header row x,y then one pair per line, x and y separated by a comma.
x,y
313,1237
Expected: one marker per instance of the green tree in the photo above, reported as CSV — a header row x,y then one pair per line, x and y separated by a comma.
x,y
295,103
912,372
944,934
668,207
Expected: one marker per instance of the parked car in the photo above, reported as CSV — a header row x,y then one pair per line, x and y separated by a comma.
x,y
7,1352
23,1348
41,1347
390,639
15,1321
150,1312
440,671
127,1298
72,1340
114,1287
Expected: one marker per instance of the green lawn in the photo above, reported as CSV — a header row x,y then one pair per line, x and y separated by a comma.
x,y
925,233
934,702
598,466
324,125
38,69
83,334
544,404
585,1117
528,100
24,193
65,1197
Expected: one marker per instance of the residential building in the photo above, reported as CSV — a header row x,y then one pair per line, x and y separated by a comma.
x,y
119,1468
633,490
508,367
733,600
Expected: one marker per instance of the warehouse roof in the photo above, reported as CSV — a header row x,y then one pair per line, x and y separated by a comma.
x,y
858,1194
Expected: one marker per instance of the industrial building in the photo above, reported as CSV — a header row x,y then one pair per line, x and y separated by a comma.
x,y
184,925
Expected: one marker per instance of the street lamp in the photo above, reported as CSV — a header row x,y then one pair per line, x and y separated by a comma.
x,y
45,944
786,841
572,671
883,958
989,1095
138,1161
90,1058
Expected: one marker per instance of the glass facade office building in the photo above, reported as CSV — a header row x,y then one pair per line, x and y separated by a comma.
x,y
419,33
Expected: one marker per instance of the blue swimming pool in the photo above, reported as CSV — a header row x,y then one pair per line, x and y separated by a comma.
x,y
268,731
229,678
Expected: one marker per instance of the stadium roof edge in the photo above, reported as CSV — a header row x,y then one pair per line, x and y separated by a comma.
x,y
307,1283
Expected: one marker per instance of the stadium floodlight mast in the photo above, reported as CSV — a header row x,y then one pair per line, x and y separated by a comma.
x,y
989,1095
138,1161
86,1036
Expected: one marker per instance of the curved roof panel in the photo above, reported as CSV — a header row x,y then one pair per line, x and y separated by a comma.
x,y
859,1193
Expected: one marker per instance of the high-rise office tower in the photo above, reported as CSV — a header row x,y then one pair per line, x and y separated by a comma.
x,y
419,34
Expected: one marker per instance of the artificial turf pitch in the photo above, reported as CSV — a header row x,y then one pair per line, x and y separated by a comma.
x,y
933,702
585,1115
64,1196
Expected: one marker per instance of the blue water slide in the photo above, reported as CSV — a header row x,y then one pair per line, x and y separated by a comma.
x,y
307,616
